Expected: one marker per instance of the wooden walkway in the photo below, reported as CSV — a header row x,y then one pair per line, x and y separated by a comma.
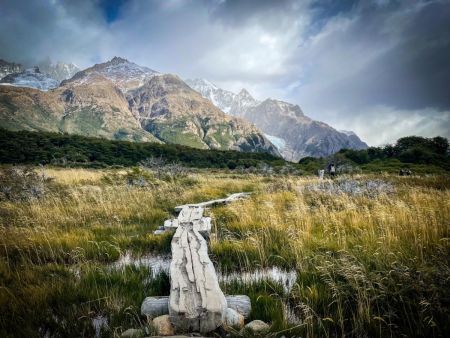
x,y
196,302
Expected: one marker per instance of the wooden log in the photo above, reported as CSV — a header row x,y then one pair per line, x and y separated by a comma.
x,y
203,226
171,224
196,302
230,198
190,213
158,306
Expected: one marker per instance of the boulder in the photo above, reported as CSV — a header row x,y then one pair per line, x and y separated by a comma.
x,y
132,333
155,306
240,303
256,327
163,326
233,319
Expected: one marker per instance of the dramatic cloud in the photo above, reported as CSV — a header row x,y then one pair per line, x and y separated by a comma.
x,y
377,67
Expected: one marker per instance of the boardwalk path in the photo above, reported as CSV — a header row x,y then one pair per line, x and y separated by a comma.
x,y
196,302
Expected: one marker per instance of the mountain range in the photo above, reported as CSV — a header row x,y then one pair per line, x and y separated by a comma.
x,y
295,134
119,99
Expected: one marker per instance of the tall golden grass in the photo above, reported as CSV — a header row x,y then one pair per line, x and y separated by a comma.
x,y
368,263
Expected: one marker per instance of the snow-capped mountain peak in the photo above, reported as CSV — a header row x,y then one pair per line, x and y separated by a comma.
x,y
221,98
244,93
227,101
58,70
123,73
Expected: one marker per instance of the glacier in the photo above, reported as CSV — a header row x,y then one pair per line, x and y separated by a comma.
x,y
278,142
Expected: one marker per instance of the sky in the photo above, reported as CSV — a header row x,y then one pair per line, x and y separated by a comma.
x,y
378,67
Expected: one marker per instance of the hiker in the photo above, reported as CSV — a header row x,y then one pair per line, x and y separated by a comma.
x,y
332,169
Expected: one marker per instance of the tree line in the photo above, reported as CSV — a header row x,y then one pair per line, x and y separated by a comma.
x,y
26,147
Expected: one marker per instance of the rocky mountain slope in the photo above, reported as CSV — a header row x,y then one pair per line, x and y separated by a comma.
x,y
121,100
168,108
98,110
295,134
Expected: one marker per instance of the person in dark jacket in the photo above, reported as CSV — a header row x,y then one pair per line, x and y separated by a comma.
x,y
332,169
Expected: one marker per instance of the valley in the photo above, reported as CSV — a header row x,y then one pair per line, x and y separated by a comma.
x,y
315,257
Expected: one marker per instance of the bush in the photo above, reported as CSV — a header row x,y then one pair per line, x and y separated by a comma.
x,y
163,170
22,184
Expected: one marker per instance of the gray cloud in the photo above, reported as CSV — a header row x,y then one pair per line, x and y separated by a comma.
x,y
349,63
65,30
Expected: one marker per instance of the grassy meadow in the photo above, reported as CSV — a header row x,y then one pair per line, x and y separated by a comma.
x,y
370,253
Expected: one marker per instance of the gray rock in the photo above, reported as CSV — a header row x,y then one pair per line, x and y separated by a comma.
x,y
163,326
234,320
132,333
256,327
155,306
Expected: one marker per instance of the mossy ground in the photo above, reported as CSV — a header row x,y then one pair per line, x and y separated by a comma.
x,y
367,264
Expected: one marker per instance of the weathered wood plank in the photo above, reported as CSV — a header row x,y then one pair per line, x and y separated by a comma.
x,y
196,302
203,226
190,213
230,198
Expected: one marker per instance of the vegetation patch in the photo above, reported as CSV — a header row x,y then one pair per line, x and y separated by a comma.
x,y
362,261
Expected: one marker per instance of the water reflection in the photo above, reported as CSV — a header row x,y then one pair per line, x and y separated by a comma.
x,y
156,264
286,278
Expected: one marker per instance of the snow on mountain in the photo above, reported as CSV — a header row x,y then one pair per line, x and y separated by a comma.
x,y
123,73
276,141
347,132
227,101
242,102
59,70
32,78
